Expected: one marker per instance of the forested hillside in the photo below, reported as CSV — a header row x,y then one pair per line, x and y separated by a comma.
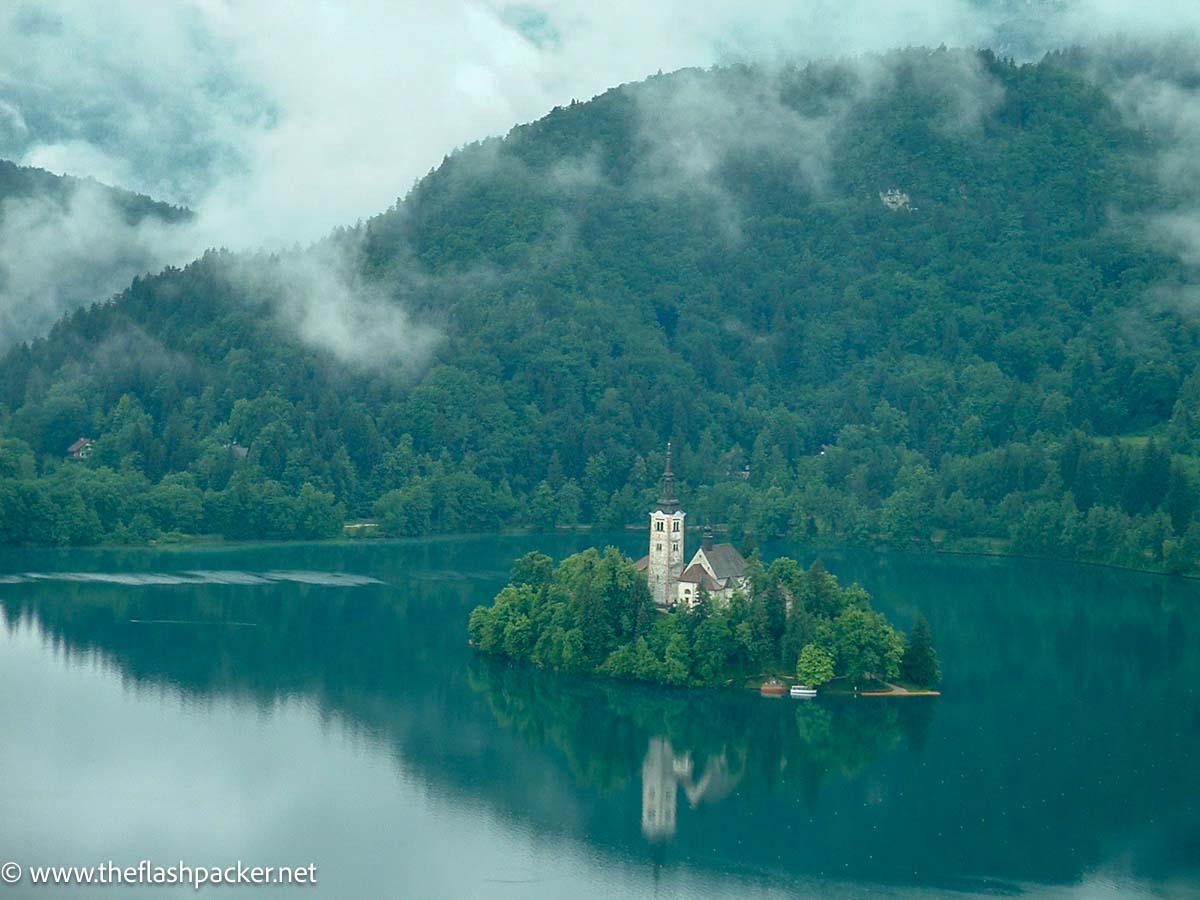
x,y
27,183
707,256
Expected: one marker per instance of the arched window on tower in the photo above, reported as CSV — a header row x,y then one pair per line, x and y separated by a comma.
x,y
658,526
675,525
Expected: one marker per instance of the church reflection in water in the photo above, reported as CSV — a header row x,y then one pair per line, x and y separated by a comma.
x,y
664,772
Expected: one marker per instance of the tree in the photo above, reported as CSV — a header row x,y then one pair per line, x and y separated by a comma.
x,y
16,459
533,568
1184,553
711,650
406,511
518,637
677,661
316,513
570,503
543,511
767,620
176,504
815,665
595,624
919,665
81,525
479,627
646,666
397,466
866,645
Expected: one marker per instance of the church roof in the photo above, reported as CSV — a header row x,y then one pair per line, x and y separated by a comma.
x,y
695,574
726,562
667,501
642,564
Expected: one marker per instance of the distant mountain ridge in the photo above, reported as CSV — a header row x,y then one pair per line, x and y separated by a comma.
x,y
66,242
981,358
29,182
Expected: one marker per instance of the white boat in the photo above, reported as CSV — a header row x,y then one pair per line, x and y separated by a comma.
x,y
799,690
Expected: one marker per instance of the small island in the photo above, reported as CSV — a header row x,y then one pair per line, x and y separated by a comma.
x,y
719,621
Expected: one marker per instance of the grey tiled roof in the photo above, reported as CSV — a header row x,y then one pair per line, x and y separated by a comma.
x,y
695,574
726,562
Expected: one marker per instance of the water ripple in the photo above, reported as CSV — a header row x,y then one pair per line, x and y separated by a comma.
x,y
199,576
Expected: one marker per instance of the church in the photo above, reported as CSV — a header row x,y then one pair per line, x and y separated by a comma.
x,y
716,568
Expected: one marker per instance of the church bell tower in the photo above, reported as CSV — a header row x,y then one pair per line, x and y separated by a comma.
x,y
666,541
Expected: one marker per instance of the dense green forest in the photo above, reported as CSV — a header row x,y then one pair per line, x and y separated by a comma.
x,y
592,613
704,256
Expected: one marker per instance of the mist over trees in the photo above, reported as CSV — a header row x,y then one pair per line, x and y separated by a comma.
x,y
65,242
1001,360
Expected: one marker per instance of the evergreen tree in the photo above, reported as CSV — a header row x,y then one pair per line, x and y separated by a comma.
x,y
919,665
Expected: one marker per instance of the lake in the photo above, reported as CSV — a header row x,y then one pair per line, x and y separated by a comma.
x,y
296,704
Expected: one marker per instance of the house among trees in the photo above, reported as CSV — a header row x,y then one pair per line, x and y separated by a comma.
x,y
81,449
894,199
716,569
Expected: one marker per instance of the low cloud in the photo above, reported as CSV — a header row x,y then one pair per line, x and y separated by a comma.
x,y
321,294
277,124
57,254
1155,83
691,125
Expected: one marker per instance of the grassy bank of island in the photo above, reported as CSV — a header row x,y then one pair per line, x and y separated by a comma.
x,y
592,613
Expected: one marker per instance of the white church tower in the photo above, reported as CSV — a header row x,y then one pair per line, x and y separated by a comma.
x,y
665,561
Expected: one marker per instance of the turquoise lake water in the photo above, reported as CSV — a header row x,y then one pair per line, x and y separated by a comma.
x,y
296,704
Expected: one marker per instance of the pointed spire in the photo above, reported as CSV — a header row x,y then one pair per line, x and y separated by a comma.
x,y
667,501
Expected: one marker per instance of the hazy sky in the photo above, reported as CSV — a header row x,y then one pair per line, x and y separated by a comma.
x,y
278,121
281,120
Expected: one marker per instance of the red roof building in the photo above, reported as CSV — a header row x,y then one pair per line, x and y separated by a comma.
x,y
81,449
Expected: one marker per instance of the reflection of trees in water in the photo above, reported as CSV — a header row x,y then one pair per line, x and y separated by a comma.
x,y
306,638
1051,625
703,742
1068,727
